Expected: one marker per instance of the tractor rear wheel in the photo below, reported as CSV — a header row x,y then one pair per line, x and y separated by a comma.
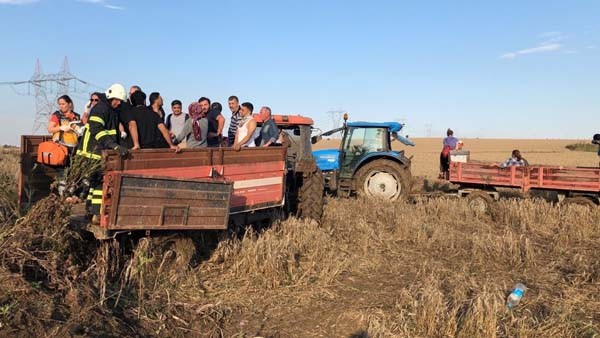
x,y
310,196
480,202
384,179
579,200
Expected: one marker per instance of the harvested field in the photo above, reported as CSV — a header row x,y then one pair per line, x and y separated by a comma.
x,y
431,268
427,152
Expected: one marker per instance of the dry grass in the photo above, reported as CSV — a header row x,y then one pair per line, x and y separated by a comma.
x,y
427,152
372,269
8,184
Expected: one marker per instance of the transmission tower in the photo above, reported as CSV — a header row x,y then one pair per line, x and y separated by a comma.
x,y
335,117
428,128
47,88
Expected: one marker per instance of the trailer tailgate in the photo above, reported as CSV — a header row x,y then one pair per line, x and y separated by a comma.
x,y
143,202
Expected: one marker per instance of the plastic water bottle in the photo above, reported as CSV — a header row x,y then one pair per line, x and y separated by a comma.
x,y
515,296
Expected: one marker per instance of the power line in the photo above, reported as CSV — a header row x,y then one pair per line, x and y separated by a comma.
x,y
428,129
46,88
335,116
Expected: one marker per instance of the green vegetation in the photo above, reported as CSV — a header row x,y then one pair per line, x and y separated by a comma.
x,y
582,146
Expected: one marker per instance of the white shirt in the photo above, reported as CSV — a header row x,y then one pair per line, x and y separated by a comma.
x,y
243,131
177,123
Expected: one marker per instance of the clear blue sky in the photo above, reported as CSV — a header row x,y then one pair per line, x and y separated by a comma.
x,y
486,69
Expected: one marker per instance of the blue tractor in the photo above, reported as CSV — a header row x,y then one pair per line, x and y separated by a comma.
x,y
365,163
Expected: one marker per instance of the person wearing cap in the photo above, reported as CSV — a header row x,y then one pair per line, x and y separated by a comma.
x,y
101,134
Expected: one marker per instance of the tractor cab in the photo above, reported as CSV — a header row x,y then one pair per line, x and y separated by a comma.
x,y
365,161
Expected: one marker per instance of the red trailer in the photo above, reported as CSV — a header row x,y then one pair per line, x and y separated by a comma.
x,y
197,189
480,181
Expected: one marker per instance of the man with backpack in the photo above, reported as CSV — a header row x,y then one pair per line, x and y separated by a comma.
x,y
176,120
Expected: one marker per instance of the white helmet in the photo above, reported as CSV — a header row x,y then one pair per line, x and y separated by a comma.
x,y
116,91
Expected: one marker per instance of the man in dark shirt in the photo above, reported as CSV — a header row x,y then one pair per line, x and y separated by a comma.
x,y
152,131
269,131
156,104
216,121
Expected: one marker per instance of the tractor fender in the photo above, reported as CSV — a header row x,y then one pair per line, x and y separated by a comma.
x,y
397,157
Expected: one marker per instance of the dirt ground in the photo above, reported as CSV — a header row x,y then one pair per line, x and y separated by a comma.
x,y
426,153
425,268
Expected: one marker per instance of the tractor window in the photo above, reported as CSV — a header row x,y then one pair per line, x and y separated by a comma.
x,y
366,140
358,144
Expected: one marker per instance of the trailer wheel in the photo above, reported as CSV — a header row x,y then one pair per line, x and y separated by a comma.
x,y
310,196
480,202
580,200
384,179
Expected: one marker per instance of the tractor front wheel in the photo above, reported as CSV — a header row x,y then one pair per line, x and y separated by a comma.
x,y
384,179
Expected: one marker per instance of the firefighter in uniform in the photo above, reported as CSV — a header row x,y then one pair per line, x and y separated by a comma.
x,y
101,133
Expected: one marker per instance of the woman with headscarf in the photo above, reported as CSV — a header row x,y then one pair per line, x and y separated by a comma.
x,y
195,129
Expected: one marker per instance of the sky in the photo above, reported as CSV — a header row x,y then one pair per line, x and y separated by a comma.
x,y
494,69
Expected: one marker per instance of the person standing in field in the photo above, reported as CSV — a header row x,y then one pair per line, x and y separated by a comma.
x,y
449,144
246,128
236,116
195,129
177,119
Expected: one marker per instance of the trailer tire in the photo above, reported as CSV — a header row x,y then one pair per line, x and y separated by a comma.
x,y
310,197
385,179
580,200
481,202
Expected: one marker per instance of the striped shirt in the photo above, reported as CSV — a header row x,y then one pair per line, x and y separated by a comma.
x,y
513,162
236,117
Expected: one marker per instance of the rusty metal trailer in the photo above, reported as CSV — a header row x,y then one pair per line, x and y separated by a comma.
x,y
572,185
197,189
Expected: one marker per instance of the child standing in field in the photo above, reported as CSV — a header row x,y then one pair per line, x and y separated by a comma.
x,y
449,144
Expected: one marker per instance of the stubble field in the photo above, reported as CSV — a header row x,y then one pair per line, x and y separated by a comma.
x,y
431,268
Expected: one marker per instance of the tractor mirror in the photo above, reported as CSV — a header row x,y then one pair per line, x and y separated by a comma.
x,y
316,139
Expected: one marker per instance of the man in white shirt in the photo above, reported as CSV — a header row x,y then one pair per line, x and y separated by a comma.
x,y
176,120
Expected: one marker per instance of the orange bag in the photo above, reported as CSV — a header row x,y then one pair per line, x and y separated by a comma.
x,y
52,153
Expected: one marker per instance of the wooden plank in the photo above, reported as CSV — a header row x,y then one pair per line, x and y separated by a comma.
x,y
33,185
157,210
162,158
151,202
